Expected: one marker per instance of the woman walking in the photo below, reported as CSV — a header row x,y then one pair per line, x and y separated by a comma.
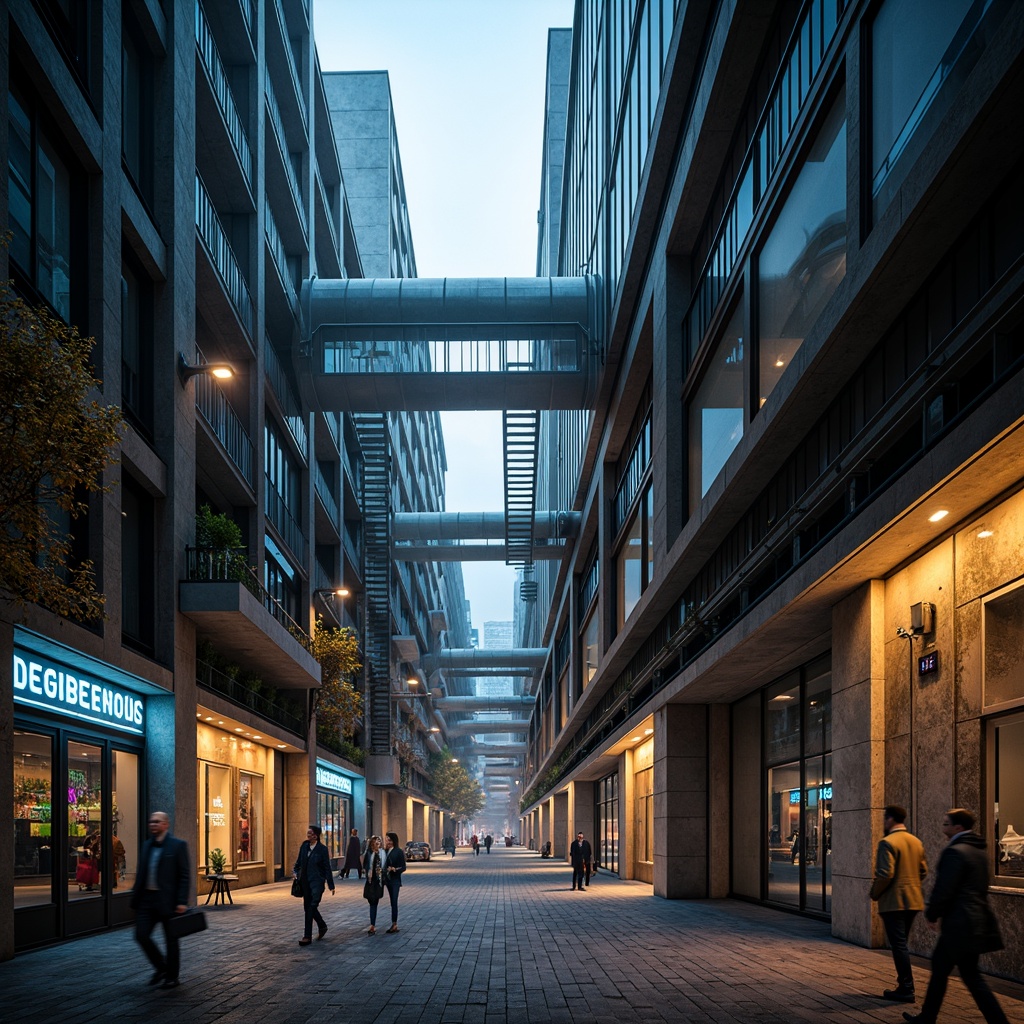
x,y
313,870
394,865
373,888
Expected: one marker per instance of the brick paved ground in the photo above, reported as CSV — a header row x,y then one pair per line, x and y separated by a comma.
x,y
491,939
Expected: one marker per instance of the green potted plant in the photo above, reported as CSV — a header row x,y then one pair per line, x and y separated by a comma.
x,y
218,861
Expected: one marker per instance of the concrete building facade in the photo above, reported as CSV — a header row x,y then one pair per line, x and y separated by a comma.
x,y
796,586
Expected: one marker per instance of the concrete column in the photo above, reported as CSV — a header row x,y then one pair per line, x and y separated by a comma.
x,y
858,759
627,817
560,825
719,776
299,804
681,802
582,816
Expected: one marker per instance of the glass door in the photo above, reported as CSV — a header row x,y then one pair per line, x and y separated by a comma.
x,y
34,841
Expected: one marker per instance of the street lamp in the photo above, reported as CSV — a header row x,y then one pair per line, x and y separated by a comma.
x,y
220,370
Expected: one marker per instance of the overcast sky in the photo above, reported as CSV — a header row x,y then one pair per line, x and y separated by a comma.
x,y
467,82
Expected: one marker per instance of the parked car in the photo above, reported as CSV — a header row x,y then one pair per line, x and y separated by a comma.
x,y
417,851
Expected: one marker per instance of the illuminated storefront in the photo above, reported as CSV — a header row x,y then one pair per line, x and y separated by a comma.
x,y
79,735
334,806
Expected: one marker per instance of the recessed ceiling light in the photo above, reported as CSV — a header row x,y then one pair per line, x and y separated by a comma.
x,y
779,362
634,739
257,737
209,718
238,730
984,533
936,516
783,697
647,732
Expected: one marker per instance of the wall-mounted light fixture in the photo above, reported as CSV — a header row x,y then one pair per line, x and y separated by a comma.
x,y
922,617
332,592
220,370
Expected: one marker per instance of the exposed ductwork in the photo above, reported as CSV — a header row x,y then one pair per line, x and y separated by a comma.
x,y
461,526
456,658
470,552
483,703
494,750
475,727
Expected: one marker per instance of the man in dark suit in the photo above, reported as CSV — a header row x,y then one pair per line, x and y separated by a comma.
x,y
580,857
313,869
160,892
969,928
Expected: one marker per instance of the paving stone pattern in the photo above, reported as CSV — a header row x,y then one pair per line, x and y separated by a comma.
x,y
494,939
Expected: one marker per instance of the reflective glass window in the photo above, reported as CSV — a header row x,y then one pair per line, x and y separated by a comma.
x,y
804,257
590,649
126,834
215,803
85,821
784,833
1008,809
34,842
250,817
716,410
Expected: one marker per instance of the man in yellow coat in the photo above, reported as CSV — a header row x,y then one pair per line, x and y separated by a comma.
x,y
900,867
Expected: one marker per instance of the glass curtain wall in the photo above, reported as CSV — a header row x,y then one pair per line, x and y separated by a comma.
x,y
606,814
798,776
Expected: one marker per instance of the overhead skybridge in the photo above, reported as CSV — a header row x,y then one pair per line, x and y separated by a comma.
x,y
392,344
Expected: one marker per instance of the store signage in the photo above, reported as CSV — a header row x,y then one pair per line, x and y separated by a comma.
x,y
326,779
928,663
813,795
41,683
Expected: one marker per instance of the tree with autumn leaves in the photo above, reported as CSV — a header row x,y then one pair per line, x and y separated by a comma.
x,y
338,705
56,441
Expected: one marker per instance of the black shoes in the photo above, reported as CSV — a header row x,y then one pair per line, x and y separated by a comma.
x,y
920,1017
158,976
321,932
171,983
899,995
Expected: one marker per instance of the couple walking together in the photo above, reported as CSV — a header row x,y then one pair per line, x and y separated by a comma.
x,y
383,869
959,899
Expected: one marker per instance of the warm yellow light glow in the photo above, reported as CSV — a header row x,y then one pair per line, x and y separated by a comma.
x,y
634,739
413,681
342,592
984,533
222,372
937,516
779,362
648,732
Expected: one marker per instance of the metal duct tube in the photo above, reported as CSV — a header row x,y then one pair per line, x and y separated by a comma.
x,y
472,657
483,703
436,526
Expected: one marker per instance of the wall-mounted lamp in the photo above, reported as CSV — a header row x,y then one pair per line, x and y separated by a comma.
x,y
220,370
332,592
922,617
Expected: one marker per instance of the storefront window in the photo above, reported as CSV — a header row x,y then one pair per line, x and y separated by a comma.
x,y
250,817
1007,739
85,831
607,818
125,838
1004,626
784,834
33,837
644,790
215,801
331,817
798,766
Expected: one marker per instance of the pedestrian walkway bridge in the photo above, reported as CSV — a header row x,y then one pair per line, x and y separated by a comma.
x,y
377,345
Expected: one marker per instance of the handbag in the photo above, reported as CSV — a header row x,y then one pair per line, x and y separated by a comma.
x,y
372,889
297,887
180,925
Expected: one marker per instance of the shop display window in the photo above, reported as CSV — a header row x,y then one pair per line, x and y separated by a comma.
x,y
125,839
1006,738
331,817
606,815
1004,626
215,801
34,842
85,823
250,818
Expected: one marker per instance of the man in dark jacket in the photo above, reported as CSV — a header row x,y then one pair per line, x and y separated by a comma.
x,y
580,856
969,928
160,892
313,869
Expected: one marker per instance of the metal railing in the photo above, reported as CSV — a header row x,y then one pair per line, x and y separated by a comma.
x,y
281,516
224,422
282,140
219,565
211,231
286,396
210,678
219,80
323,492
431,348
280,256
